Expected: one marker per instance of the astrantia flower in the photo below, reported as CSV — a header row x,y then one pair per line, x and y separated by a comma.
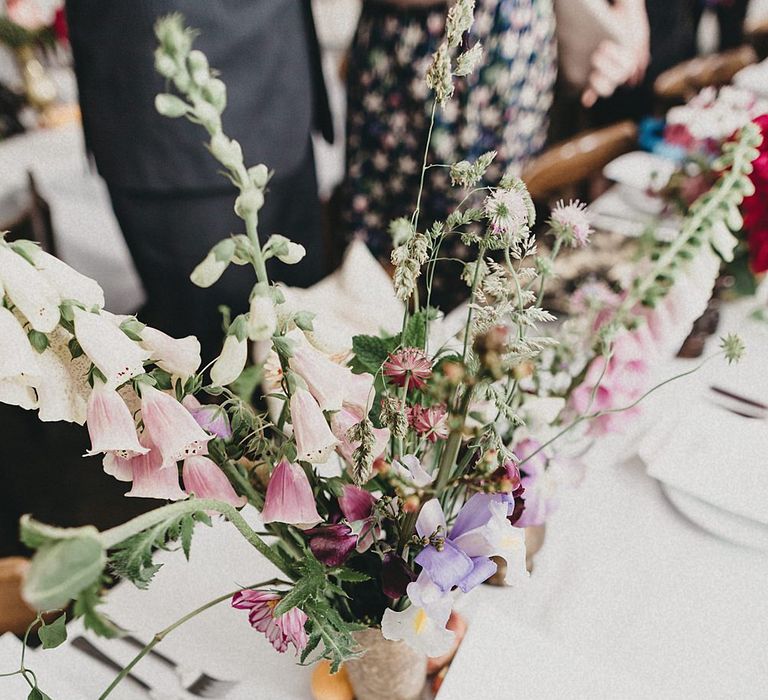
x,y
508,214
179,357
422,625
314,439
281,631
110,424
151,479
289,498
170,426
112,351
30,292
204,478
210,417
430,422
409,365
571,223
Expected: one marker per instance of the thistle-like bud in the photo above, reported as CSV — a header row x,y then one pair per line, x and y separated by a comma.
x,y
227,151
215,93
259,175
170,105
249,202
209,116
198,67
733,347
439,76
164,64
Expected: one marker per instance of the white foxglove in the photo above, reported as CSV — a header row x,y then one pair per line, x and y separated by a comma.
x,y
117,357
29,291
68,282
18,361
110,424
262,318
231,363
179,357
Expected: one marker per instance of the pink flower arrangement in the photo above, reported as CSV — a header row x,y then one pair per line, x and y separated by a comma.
x,y
430,422
408,365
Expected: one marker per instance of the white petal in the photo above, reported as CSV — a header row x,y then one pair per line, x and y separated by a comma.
x,y
30,292
17,357
16,394
179,357
418,630
112,351
409,467
230,364
67,281
63,389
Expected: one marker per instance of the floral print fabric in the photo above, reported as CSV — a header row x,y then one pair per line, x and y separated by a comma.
x,y
502,106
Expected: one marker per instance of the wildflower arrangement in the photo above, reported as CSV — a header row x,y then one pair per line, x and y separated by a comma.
x,y
695,136
387,481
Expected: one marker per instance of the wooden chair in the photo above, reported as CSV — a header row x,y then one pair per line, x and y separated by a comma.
x,y
683,81
15,614
28,216
576,160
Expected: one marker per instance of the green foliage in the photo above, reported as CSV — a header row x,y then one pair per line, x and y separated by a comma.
x,y
415,335
86,607
59,572
133,328
132,558
38,340
248,381
54,633
37,694
371,351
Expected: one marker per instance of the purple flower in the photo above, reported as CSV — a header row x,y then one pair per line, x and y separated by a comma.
x,y
282,630
210,417
395,576
357,507
461,557
332,544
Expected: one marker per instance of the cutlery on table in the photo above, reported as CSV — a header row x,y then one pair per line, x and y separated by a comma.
x,y
194,682
740,405
82,644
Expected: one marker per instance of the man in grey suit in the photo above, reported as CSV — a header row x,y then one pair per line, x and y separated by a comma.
x,y
170,200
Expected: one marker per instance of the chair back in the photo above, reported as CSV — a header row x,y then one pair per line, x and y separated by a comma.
x,y
27,216
681,82
572,162
15,614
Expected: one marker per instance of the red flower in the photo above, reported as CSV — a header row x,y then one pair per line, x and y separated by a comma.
x,y
409,365
431,422
755,208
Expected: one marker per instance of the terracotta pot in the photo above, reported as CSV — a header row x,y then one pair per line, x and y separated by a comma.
x,y
534,541
388,670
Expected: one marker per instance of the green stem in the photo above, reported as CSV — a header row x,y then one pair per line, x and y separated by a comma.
x,y
112,537
597,414
164,633
453,445
258,258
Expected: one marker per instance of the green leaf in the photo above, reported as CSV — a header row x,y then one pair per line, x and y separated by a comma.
x,y
371,352
350,575
86,607
304,319
75,350
133,328
415,335
187,528
35,534
38,340
37,694
60,571
248,381
312,642
54,633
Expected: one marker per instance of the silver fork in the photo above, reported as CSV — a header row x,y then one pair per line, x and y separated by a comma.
x,y
740,405
201,684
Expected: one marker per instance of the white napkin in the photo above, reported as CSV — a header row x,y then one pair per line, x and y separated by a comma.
x,y
753,78
715,455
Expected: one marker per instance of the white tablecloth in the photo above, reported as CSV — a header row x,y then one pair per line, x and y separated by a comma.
x,y
628,598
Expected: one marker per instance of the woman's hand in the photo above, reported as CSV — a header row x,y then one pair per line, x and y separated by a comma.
x,y
623,62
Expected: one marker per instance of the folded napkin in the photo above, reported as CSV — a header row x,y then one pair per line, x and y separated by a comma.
x,y
753,78
717,456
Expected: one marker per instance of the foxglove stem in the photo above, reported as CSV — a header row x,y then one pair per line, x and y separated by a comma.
x,y
258,257
110,538
182,620
597,414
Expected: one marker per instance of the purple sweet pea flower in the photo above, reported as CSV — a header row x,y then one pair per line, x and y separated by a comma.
x,y
356,505
395,576
209,417
463,559
332,544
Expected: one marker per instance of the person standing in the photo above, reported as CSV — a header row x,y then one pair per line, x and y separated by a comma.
x,y
171,202
502,106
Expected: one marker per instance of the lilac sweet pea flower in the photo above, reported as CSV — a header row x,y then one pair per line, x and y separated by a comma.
x,y
462,556
210,417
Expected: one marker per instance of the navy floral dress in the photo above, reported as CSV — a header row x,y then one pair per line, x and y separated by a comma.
x,y
502,106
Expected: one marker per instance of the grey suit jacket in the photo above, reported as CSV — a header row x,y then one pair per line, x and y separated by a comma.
x,y
266,52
